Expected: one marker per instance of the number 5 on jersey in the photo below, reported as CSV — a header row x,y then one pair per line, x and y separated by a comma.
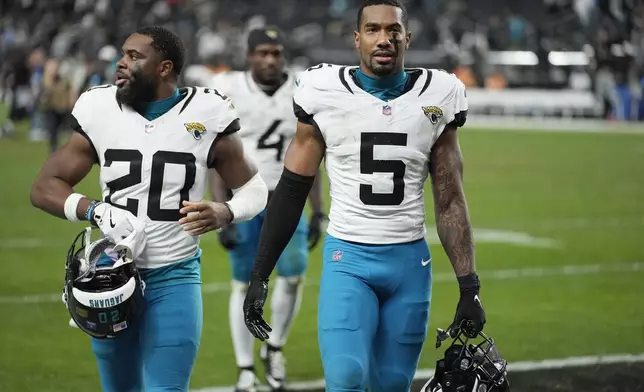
x,y
369,165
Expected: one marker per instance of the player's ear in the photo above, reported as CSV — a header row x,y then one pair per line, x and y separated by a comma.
x,y
356,39
408,40
166,68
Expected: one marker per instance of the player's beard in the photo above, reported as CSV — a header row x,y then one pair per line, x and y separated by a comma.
x,y
269,80
141,88
382,70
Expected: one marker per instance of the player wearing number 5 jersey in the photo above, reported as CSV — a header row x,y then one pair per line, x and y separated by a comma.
x,y
263,96
382,130
153,144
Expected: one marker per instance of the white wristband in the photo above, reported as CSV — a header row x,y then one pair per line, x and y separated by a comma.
x,y
71,205
248,200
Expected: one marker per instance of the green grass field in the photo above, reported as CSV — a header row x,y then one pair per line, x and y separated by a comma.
x,y
548,201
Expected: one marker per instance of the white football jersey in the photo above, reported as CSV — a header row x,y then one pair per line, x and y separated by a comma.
x,y
267,122
150,167
377,152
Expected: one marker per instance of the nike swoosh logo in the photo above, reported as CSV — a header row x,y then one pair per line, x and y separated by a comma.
x,y
425,262
111,222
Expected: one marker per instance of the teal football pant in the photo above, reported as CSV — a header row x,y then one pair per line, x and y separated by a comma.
x,y
373,311
158,351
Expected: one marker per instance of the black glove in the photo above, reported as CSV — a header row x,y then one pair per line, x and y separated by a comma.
x,y
254,308
315,228
469,312
228,236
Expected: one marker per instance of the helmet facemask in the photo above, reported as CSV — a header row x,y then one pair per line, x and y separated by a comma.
x,y
102,300
468,366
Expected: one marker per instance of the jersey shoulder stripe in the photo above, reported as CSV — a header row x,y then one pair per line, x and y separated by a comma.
x,y
317,81
84,112
212,108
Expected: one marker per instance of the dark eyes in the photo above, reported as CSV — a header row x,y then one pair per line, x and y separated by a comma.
x,y
394,30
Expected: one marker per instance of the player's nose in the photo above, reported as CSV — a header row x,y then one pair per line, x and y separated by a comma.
x,y
271,61
384,42
121,64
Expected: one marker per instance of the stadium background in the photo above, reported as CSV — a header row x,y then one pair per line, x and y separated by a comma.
x,y
554,162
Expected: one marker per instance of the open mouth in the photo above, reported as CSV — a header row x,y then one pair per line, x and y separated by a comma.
x,y
121,79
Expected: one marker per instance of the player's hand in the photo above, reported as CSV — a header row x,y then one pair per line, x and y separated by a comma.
x,y
254,308
228,236
315,228
470,314
115,223
204,216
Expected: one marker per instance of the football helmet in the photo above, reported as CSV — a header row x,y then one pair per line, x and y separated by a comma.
x,y
468,367
102,300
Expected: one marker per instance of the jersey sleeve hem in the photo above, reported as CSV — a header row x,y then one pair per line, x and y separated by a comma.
x,y
459,119
233,127
302,115
79,129
230,129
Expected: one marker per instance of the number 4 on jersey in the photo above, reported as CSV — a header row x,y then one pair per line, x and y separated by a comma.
x,y
278,145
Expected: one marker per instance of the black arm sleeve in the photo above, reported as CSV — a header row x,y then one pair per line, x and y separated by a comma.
x,y
282,216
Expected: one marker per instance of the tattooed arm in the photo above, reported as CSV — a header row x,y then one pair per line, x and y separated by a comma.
x,y
450,207
455,230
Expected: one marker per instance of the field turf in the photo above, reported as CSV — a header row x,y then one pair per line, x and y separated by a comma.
x,y
559,221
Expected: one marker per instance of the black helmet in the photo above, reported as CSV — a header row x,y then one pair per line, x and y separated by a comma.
x,y
468,367
102,301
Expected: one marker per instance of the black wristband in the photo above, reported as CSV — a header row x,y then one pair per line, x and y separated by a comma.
x,y
469,282
282,217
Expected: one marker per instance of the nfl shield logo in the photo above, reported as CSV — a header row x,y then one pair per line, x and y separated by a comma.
x,y
386,110
337,255
149,128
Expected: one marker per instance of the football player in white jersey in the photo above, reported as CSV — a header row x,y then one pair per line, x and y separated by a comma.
x,y
263,97
153,144
381,129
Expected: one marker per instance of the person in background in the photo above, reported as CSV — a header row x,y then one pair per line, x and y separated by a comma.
x,y
56,100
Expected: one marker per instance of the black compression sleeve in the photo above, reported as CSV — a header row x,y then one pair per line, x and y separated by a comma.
x,y
282,216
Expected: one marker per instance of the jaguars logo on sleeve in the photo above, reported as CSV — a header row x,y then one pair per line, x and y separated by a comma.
x,y
433,113
196,129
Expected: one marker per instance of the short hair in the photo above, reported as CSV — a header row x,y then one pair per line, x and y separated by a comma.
x,y
168,44
392,3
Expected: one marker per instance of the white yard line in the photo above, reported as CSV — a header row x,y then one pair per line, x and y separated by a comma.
x,y
482,235
497,236
524,366
551,125
501,274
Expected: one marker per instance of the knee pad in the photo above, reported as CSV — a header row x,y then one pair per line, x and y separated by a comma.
x,y
344,373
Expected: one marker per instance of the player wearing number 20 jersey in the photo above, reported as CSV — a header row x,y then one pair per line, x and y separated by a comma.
x,y
382,131
263,97
149,167
154,144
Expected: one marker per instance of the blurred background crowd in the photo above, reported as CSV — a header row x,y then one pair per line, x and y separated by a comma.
x,y
591,52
